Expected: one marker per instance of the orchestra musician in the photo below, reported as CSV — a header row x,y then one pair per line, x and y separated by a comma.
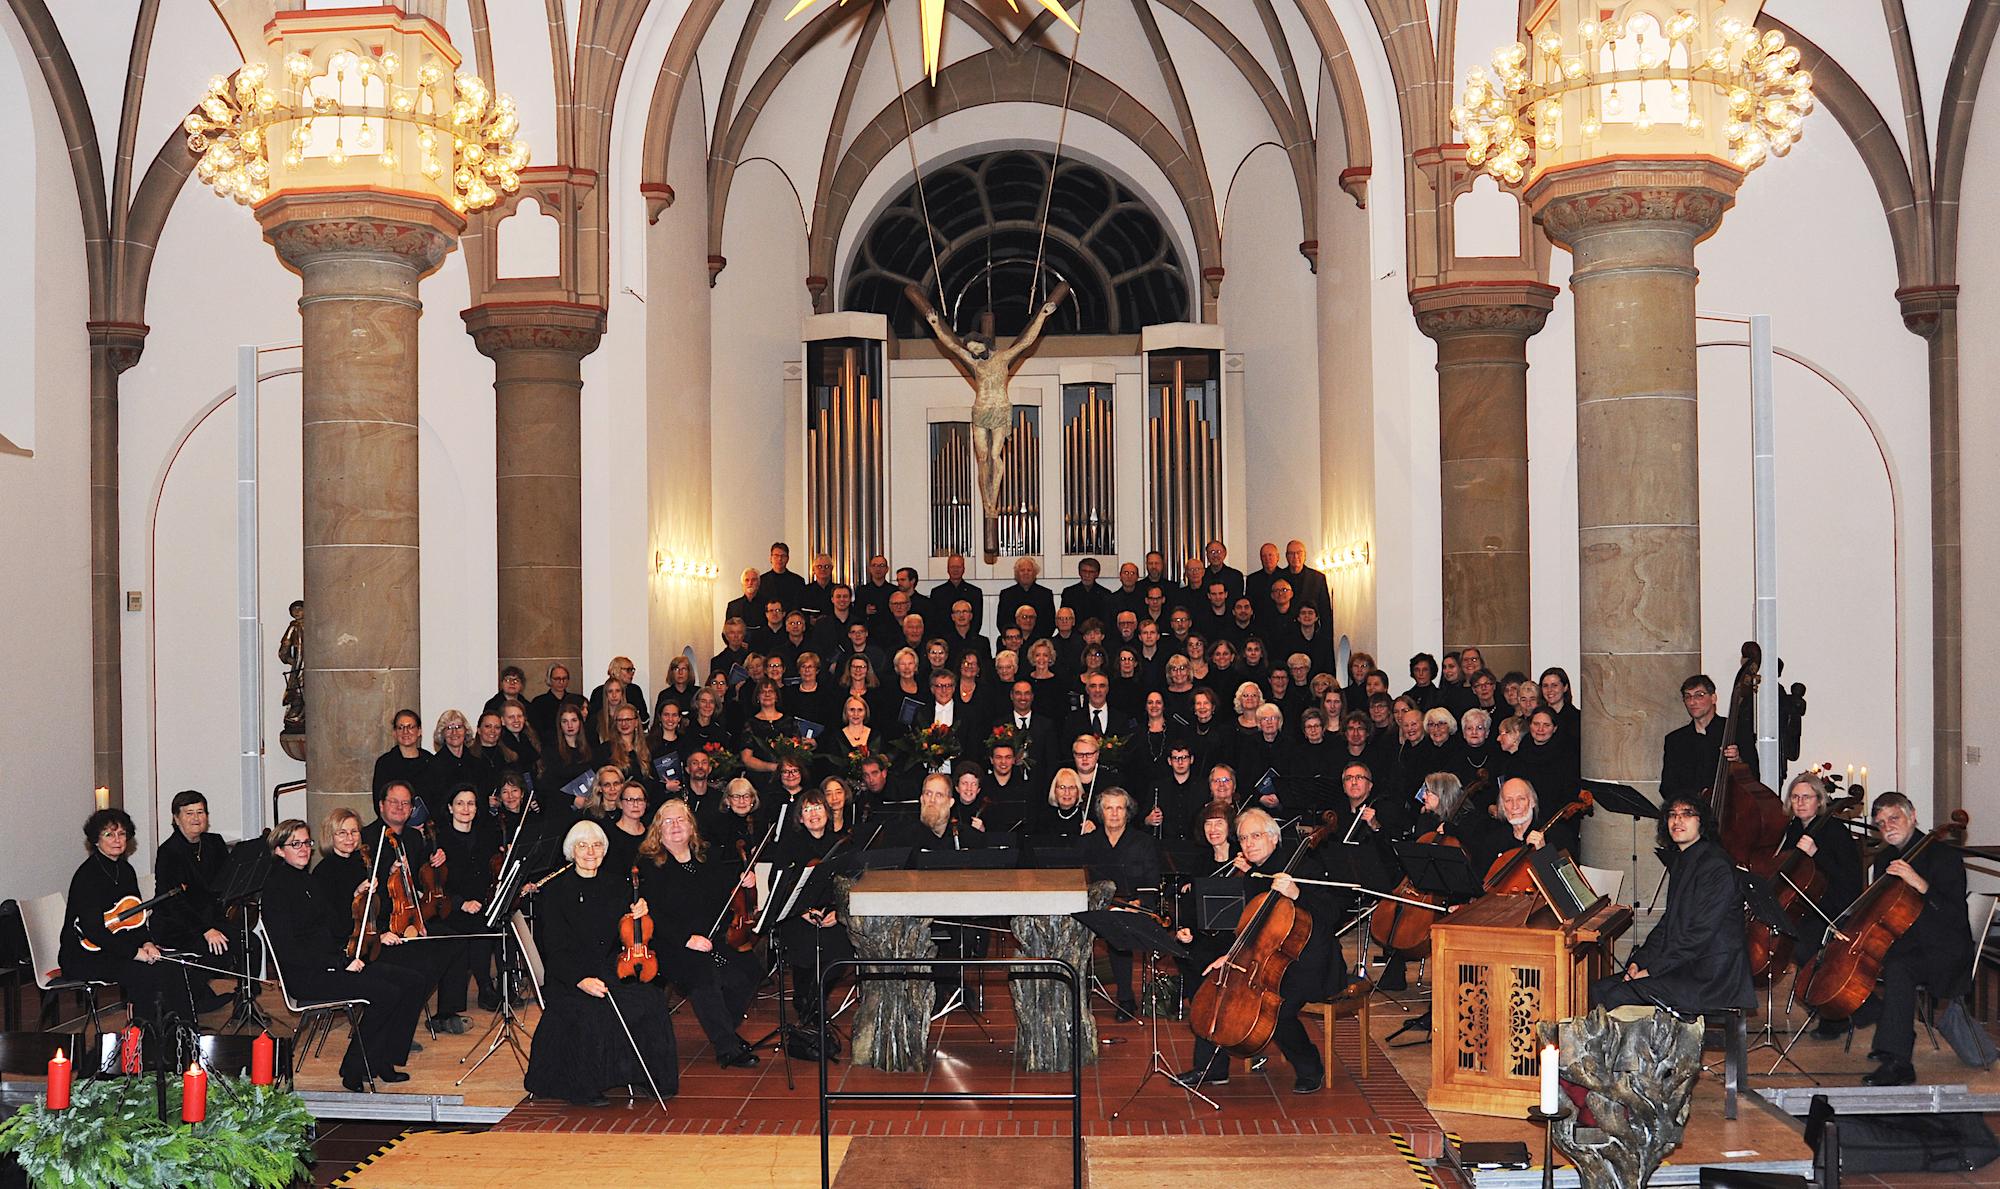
x,y
1697,958
735,819
469,840
1520,807
127,955
1935,952
446,961
1130,858
310,924
193,859
686,883
1064,816
934,828
580,1046
1688,754
814,936
1824,837
1308,978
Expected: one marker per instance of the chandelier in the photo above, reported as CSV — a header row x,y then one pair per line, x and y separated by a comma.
x,y
350,110
1644,80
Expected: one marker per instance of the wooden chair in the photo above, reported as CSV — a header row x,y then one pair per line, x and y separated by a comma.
x,y
1351,1003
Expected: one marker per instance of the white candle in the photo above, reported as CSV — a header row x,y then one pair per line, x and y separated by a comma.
x,y
1850,774
1550,1100
1864,776
103,795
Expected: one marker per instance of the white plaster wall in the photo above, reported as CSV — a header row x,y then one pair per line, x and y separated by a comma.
x,y
1346,394
45,712
1267,311
1979,439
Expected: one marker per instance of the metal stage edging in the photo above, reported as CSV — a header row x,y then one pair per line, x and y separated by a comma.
x,y
1042,967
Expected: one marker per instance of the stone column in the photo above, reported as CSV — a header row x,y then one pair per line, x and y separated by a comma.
x,y
537,350
1631,227
114,348
1482,330
359,257
1931,311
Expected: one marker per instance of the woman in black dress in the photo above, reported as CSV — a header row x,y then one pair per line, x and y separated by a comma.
x,y
814,936
1064,815
1558,697
689,885
680,686
624,833
841,814
469,840
769,721
569,755
1130,859
1548,761
737,823
580,1046
127,956
310,924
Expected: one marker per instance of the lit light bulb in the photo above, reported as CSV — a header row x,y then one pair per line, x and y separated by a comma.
x,y
1592,125
1643,122
1693,123
1614,103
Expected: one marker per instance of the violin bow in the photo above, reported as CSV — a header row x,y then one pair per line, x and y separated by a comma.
x,y
368,903
631,1040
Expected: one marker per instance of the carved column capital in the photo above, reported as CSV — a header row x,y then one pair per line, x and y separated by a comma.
x,y
309,227
1511,307
123,342
1692,193
564,327
1924,307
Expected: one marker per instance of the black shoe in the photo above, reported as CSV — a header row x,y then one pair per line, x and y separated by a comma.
x,y
489,999
353,1085
1891,1073
742,1058
1196,1077
392,1075
1312,1084
1393,978
1830,1030
455,1024
600,1100
802,1048
212,1001
1128,1009
416,1047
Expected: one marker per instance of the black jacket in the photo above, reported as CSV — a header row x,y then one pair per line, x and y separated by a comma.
x,y
1697,956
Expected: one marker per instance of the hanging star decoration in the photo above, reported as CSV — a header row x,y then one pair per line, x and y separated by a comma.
x,y
933,19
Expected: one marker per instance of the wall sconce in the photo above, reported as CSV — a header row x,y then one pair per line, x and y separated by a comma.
x,y
681,567
1345,558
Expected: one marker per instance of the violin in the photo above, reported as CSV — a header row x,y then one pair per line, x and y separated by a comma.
x,y
405,906
1842,975
1236,1007
741,935
129,913
1509,874
435,902
1749,817
636,958
365,942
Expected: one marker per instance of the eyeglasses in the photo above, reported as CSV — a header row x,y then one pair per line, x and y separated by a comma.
x,y
396,802
1683,815
298,842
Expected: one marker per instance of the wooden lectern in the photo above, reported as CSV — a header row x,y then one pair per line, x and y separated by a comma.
x,y
1500,966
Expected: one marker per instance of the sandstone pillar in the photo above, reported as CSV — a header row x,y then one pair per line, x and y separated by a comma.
x,y
114,348
1482,330
537,350
1631,226
360,257
1931,311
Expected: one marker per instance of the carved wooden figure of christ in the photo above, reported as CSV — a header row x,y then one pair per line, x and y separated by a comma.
x,y
989,371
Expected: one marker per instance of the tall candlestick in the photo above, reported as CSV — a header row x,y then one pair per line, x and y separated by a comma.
x,y
59,1075
194,1094
1550,1094
103,797
1864,776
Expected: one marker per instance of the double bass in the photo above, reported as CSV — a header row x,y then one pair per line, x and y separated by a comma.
x,y
1237,1006
1749,817
1842,975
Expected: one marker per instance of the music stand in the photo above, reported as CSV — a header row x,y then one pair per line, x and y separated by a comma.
x,y
1218,902
1141,934
1622,799
531,853
243,879
1439,870
783,903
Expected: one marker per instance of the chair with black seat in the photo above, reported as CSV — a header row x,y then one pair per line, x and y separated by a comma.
x,y
1724,1028
315,1016
42,922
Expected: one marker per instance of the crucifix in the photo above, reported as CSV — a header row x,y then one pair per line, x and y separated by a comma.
x,y
988,371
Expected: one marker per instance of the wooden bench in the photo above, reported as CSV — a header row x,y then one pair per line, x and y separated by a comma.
x,y
1351,1003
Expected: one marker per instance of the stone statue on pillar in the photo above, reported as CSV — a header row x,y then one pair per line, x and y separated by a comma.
x,y
291,654
992,412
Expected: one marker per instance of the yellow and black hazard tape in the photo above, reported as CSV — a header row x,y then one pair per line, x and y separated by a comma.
x,y
1418,1167
346,1179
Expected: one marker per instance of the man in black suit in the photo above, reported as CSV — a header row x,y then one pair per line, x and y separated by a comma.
x,y
734,650
1040,730
962,634
1097,716
1935,952
780,583
950,591
818,598
919,602
1258,583
1027,591
1696,959
1308,584
1085,596
1688,755
1309,637
745,606
871,598
1219,569
770,629
829,635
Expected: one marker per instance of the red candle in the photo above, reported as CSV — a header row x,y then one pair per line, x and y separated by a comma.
x,y
59,1073
194,1094
263,1060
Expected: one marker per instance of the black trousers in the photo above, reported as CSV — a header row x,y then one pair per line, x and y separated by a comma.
x,y
1905,968
719,992
152,988
1305,980
395,993
808,949
443,962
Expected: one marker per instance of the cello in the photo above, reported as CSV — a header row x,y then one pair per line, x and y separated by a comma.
x,y
1798,886
1237,1006
1842,975
1405,930
1508,876
1749,817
